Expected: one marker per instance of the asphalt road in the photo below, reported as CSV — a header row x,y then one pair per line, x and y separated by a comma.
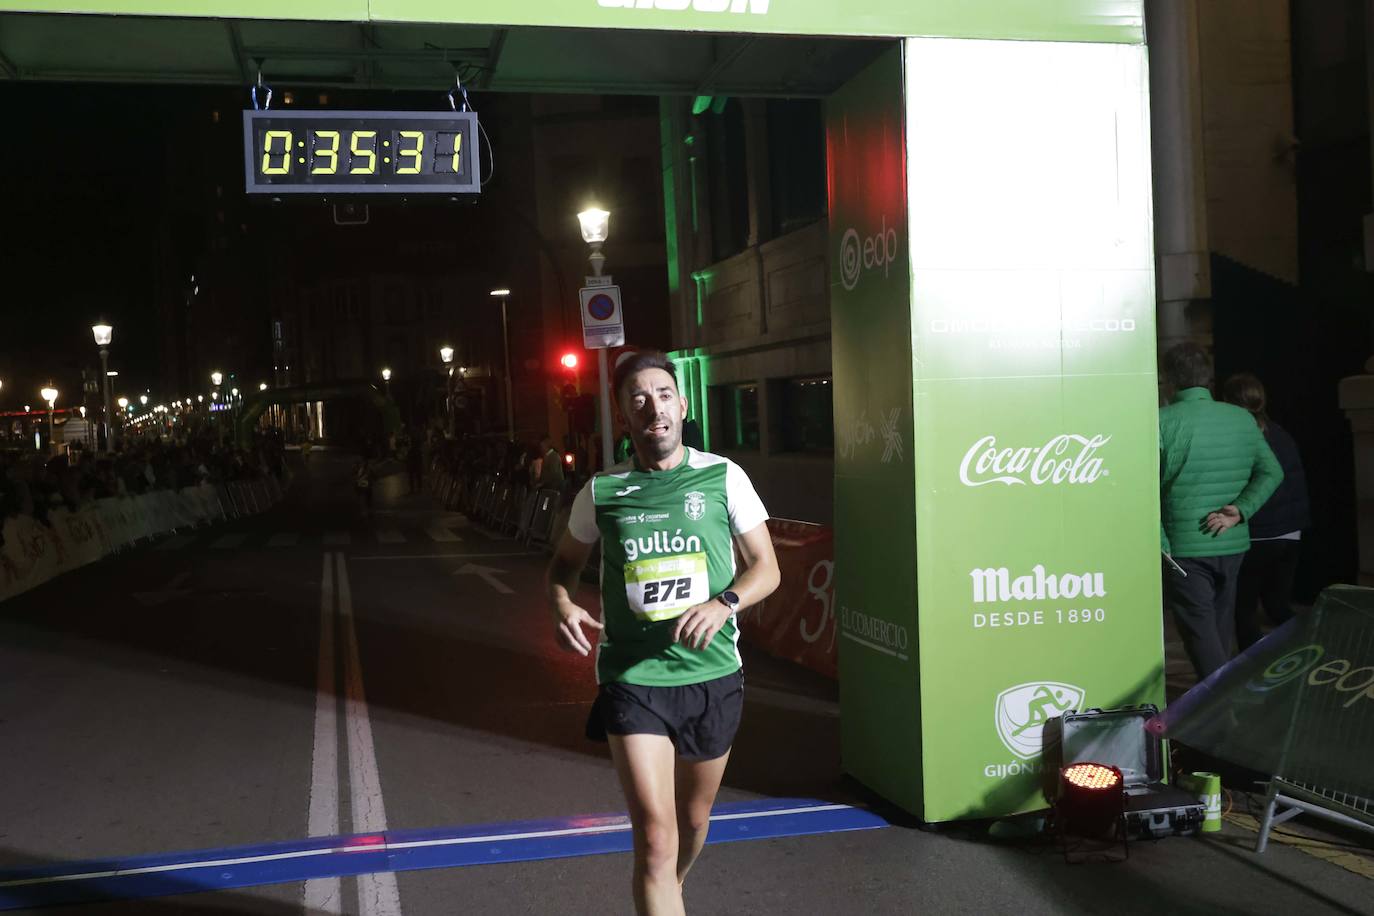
x,y
310,672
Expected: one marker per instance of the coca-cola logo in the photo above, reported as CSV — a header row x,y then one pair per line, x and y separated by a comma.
x,y
1068,458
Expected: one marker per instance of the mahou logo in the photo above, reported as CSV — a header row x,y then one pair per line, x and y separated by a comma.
x,y
1069,458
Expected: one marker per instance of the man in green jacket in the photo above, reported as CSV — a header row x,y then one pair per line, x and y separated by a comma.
x,y
1215,471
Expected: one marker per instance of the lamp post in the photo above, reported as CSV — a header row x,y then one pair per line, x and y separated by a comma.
x,y
504,294
104,333
446,354
596,226
386,377
49,394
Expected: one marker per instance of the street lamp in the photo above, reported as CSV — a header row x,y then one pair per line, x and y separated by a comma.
x,y
386,377
446,354
596,227
49,394
104,333
504,294
123,403
216,378
143,399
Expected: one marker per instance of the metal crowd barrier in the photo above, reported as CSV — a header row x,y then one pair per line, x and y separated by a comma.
x,y
1286,800
529,516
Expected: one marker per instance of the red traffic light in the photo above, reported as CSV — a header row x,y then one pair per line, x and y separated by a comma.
x,y
569,360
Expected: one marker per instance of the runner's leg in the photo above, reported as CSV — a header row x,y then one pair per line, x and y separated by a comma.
x,y
644,764
698,781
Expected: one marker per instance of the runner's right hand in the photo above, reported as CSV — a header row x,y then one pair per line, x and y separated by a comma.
x,y
568,632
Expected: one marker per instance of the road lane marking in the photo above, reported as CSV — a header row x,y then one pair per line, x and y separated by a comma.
x,y
229,541
324,895
442,535
404,850
337,539
390,536
378,894
289,539
486,574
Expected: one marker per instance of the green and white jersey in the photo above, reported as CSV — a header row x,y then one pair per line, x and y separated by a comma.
x,y
667,544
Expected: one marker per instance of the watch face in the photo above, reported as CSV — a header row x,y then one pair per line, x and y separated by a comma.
x,y
730,598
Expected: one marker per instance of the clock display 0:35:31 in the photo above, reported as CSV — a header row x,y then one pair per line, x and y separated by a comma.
x,y
328,152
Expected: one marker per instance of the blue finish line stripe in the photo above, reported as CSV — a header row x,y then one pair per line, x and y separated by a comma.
x,y
398,850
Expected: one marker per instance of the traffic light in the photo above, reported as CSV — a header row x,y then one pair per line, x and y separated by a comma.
x,y
569,361
583,415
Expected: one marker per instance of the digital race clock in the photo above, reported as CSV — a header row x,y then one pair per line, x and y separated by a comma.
x,y
360,152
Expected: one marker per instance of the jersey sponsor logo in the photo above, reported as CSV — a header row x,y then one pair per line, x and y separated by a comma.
x,y
1068,458
641,518
695,505
661,542
1023,711
628,490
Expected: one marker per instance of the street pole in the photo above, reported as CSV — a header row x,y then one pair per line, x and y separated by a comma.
x,y
505,340
607,455
105,410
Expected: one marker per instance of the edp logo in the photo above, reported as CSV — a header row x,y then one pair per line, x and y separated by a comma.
x,y
857,255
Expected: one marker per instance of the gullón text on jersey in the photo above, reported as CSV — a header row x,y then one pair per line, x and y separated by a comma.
x,y
661,542
1067,458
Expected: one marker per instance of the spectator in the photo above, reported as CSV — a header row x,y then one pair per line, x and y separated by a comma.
x,y
1215,472
550,466
1266,574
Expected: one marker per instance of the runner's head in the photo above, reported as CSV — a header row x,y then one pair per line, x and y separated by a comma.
x,y
650,404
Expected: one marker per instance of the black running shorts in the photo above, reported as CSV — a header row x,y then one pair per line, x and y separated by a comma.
x,y
700,719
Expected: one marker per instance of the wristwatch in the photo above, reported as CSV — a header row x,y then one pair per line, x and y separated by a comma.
x,y
729,599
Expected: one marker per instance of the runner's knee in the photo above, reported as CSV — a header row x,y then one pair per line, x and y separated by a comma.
x,y
694,816
656,844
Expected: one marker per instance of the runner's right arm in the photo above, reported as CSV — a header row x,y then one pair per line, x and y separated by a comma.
x,y
565,573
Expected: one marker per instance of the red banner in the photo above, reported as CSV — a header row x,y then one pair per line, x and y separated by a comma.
x,y
797,622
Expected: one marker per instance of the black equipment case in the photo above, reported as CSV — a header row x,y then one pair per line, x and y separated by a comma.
x,y
1119,737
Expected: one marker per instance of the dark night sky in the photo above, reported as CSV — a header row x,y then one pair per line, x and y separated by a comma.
x,y
105,171
82,197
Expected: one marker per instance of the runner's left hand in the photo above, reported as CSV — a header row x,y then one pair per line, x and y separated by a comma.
x,y
699,624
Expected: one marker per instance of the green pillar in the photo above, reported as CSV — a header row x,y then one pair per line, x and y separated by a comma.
x,y
995,426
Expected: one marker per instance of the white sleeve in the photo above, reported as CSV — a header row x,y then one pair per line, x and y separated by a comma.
x,y
582,518
746,509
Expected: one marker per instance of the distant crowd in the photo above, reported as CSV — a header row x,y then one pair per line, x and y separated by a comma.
x,y
34,485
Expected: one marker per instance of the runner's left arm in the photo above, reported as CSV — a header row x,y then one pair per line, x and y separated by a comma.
x,y
699,625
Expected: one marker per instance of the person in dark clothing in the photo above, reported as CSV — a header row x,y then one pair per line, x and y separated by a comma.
x,y
1266,574
415,464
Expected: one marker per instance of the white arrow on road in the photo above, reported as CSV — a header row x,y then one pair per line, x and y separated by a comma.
x,y
169,592
486,574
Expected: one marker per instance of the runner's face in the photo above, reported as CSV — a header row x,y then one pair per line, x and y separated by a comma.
x,y
653,411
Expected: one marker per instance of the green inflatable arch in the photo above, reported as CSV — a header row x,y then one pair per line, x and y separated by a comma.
x,y
256,403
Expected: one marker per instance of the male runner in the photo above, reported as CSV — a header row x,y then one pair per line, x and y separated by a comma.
x,y
672,688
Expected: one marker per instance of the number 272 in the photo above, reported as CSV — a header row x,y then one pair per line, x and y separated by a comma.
x,y
658,592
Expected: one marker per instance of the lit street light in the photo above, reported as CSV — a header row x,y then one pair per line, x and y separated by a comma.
x,y
104,334
446,354
596,228
49,394
143,399
216,378
504,294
